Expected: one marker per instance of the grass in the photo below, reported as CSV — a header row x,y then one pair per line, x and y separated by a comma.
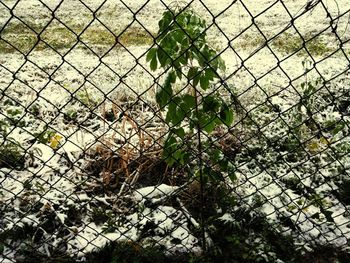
x,y
287,43
290,43
11,155
58,37
23,38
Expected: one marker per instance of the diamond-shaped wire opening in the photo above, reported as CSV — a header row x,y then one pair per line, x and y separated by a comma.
x,y
287,43
98,38
7,78
23,11
40,54
135,36
68,10
5,11
114,9
68,76
58,37
6,47
82,59
273,19
21,37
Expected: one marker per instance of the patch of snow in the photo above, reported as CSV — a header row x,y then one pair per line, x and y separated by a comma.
x,y
154,192
227,218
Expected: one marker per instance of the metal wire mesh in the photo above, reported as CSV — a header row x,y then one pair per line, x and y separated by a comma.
x,y
82,169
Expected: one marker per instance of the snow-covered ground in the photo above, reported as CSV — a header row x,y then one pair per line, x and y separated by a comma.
x,y
232,24
37,88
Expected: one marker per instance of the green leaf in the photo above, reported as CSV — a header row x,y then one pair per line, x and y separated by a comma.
x,y
210,74
170,141
168,43
162,98
192,72
232,177
153,64
179,132
183,18
188,102
215,176
180,36
193,76
181,60
204,81
340,126
193,121
211,103
196,80
195,20
179,73
205,54
170,147
212,174
223,163
316,215
151,54
171,113
162,57
209,126
166,92
206,122
215,155
172,77
328,215
222,65
179,116
173,151
165,21
179,156
226,115
175,114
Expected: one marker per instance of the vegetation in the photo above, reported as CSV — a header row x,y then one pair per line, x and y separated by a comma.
x,y
288,43
198,108
11,154
18,36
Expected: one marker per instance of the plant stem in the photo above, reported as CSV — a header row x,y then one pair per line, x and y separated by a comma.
x,y
200,168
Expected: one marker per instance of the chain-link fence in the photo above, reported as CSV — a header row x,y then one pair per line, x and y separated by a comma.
x,y
187,131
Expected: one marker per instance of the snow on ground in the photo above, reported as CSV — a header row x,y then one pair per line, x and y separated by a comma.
x,y
45,80
233,20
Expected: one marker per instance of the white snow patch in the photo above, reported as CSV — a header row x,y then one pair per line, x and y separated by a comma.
x,y
151,192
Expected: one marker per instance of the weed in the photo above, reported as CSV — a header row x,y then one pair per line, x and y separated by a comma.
x,y
44,136
14,116
11,154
